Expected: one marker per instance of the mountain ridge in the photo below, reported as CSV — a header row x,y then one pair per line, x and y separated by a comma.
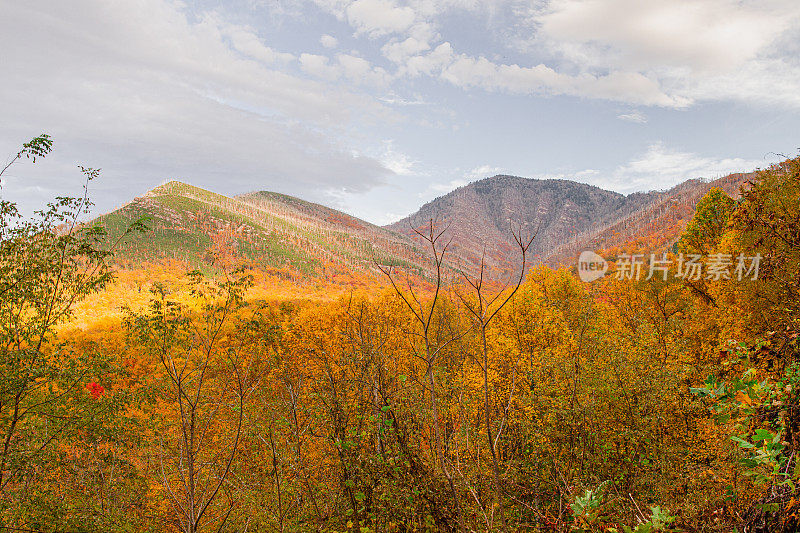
x,y
192,224
282,231
481,215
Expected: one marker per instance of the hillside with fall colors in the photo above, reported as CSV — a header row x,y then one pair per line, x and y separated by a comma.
x,y
277,231
230,384
480,216
652,228
400,266
567,217
271,230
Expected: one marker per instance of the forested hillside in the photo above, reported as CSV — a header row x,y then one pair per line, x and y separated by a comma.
x,y
567,217
193,225
481,215
277,231
655,227
168,398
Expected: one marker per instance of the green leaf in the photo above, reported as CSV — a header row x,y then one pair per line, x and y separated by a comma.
x,y
742,443
763,434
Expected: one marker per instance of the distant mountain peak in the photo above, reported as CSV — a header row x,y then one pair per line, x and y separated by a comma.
x,y
563,213
272,229
279,230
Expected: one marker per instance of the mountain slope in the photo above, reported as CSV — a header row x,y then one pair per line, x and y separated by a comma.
x,y
192,224
278,231
652,228
482,214
570,217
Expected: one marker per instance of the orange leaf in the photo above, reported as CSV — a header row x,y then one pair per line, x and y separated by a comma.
x,y
742,397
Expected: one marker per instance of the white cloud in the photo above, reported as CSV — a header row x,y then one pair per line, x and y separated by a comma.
x,y
360,71
634,116
423,31
397,162
486,9
439,189
388,218
399,51
693,50
483,171
328,41
665,53
466,71
379,17
354,69
698,34
586,174
319,66
661,167
394,99
246,41
151,94
431,63
774,81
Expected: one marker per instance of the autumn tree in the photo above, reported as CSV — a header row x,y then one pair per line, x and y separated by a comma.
x,y
433,341
483,307
48,263
201,390
710,220
765,224
754,396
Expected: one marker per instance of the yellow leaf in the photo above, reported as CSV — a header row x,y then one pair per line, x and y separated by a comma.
x,y
742,397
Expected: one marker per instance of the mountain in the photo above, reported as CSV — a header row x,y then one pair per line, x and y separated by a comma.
x,y
653,228
480,216
283,232
566,216
188,223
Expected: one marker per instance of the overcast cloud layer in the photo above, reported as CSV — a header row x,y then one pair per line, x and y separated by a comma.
x,y
375,106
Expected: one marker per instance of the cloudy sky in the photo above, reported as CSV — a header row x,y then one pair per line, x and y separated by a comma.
x,y
377,106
